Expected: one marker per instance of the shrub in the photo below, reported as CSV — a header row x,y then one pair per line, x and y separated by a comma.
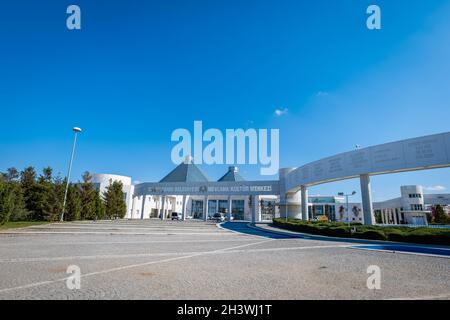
x,y
339,229
371,234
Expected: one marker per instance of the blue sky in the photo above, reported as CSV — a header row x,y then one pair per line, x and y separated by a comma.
x,y
140,69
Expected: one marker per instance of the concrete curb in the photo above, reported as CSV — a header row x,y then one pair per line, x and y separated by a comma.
x,y
309,236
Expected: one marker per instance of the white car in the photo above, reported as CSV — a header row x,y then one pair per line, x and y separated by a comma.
x,y
218,217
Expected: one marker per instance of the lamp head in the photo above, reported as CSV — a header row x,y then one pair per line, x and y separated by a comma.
x,y
76,129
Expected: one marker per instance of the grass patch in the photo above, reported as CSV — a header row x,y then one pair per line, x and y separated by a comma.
x,y
338,229
21,224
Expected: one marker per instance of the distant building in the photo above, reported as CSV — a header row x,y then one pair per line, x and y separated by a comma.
x,y
412,207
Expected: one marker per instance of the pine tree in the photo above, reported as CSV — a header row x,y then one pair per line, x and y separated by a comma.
x,y
19,212
50,196
6,201
88,205
99,207
73,204
440,216
28,183
115,206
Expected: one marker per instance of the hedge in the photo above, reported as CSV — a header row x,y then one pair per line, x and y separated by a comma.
x,y
421,235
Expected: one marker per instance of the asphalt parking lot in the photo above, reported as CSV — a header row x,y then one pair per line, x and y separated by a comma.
x,y
152,259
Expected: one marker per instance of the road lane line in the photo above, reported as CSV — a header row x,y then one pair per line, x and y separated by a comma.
x,y
31,285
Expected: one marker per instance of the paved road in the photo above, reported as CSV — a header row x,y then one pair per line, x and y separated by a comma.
x,y
154,259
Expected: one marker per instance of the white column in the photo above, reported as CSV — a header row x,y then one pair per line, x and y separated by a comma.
x,y
205,209
366,195
395,216
229,209
304,192
382,216
255,208
143,206
183,213
132,207
163,205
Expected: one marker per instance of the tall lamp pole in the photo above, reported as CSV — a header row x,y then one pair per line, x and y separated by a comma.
x,y
76,130
346,202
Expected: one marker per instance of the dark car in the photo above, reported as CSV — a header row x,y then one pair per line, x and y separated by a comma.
x,y
176,216
218,217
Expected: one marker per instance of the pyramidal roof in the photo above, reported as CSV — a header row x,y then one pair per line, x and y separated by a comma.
x,y
186,172
231,175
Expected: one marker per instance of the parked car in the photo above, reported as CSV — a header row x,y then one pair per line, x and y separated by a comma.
x,y
176,216
218,217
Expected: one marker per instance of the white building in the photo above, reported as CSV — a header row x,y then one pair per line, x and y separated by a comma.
x,y
188,191
151,206
411,207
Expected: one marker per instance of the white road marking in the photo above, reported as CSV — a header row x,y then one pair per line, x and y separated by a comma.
x,y
140,255
128,242
115,228
117,233
36,284
116,256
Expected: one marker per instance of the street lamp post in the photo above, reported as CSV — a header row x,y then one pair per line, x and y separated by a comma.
x,y
76,130
346,203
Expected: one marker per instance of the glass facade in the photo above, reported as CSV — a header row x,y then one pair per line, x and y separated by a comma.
x,y
328,210
223,206
237,209
267,209
212,207
197,209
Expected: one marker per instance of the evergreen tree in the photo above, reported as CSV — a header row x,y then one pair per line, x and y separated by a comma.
x,y
59,186
73,204
440,216
11,175
99,207
50,195
6,201
19,212
27,184
36,199
88,205
43,197
115,206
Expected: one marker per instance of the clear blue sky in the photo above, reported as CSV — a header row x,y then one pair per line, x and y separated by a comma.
x,y
140,69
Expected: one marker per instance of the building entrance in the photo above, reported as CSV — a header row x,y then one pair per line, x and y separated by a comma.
x,y
197,209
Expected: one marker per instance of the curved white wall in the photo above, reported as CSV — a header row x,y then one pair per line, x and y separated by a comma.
x,y
102,180
105,178
421,153
412,195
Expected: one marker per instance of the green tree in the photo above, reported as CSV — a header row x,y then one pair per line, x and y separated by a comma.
x,y
115,206
73,204
440,216
6,201
27,184
51,195
11,175
99,207
43,196
19,212
88,204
